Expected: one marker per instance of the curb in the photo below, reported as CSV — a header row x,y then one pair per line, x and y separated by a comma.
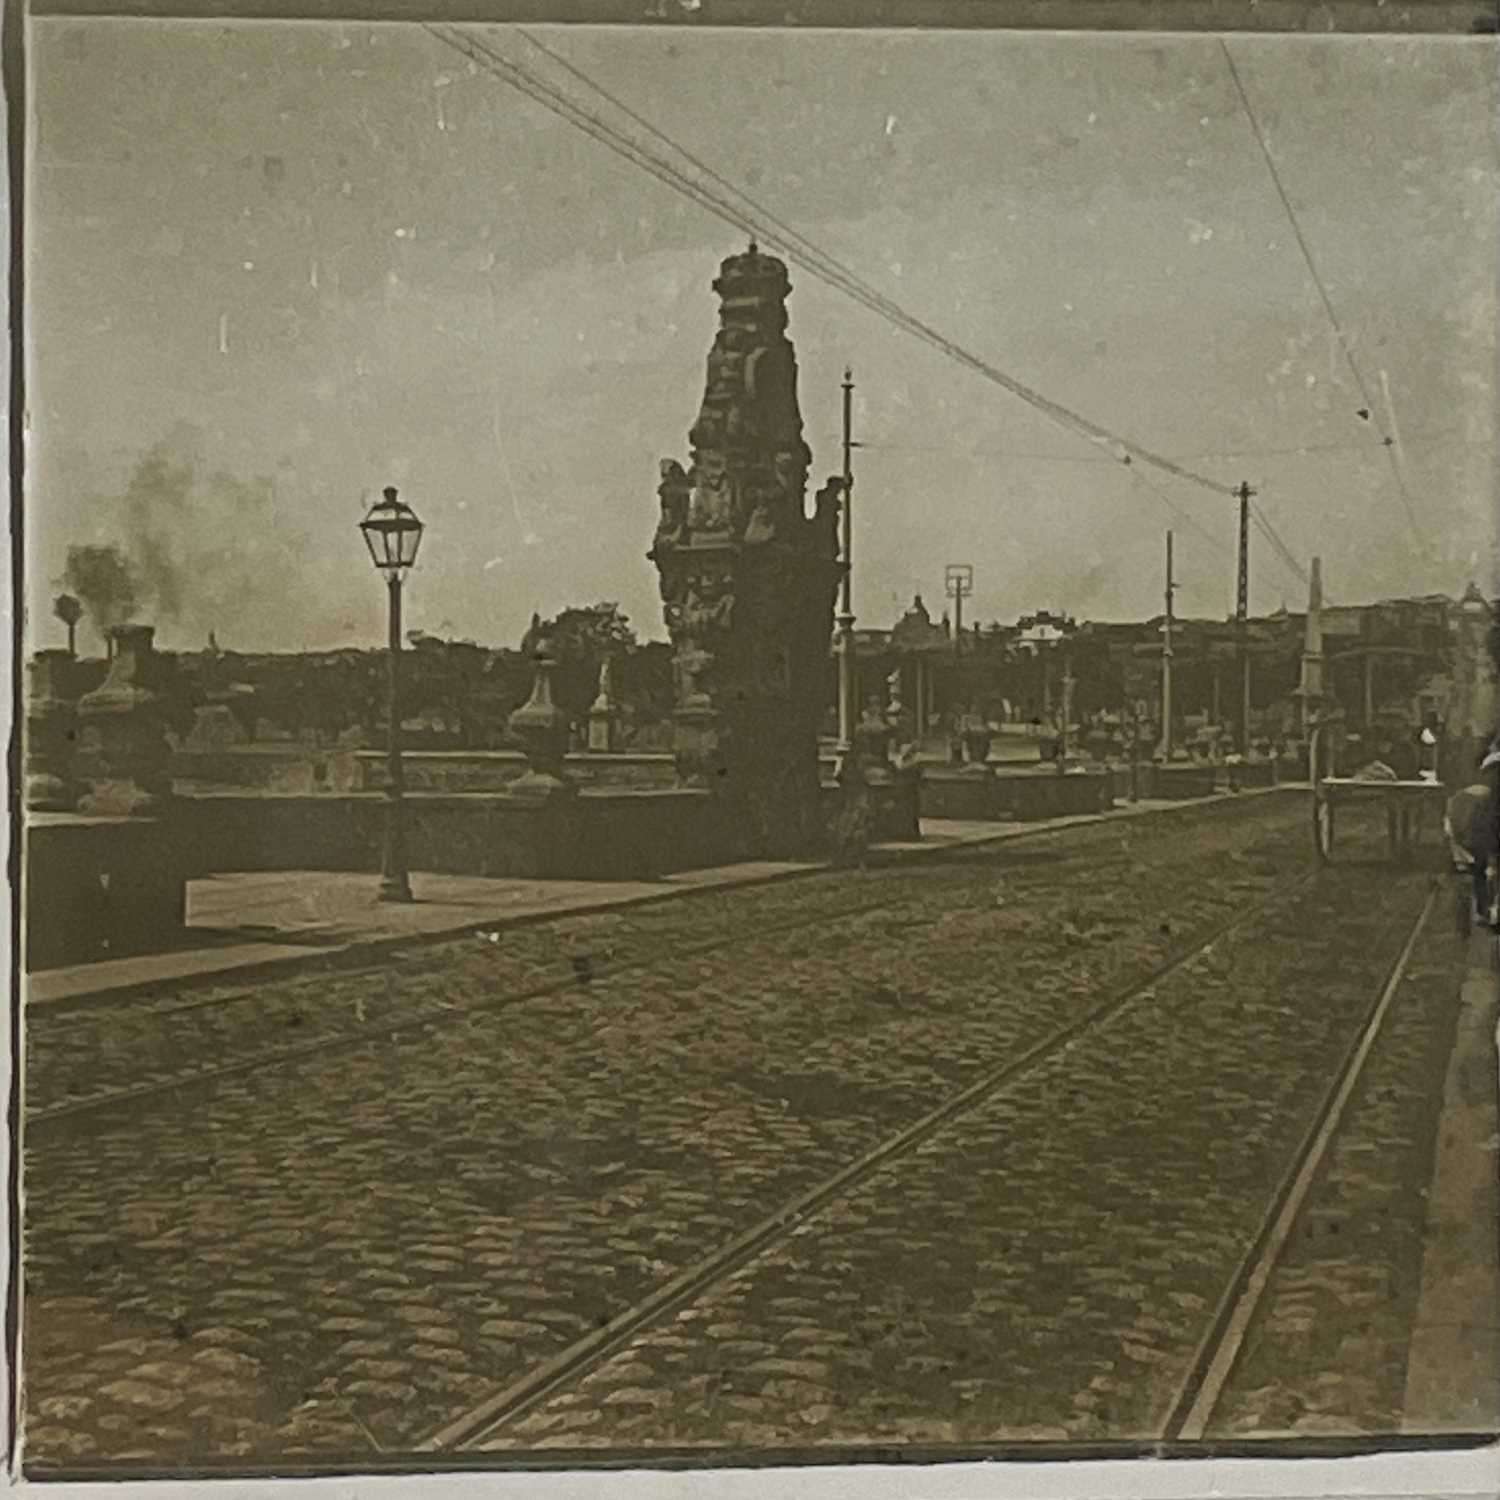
x,y
360,950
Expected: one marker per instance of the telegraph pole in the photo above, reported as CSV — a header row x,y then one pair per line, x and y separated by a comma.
x,y
958,584
1166,661
1065,746
846,593
1242,614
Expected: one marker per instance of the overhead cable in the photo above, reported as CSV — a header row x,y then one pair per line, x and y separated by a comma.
x,y
755,223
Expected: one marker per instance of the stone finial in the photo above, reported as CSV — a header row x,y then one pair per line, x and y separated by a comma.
x,y
542,728
603,714
873,735
51,734
124,750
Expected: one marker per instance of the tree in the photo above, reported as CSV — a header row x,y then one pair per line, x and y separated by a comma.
x,y
70,611
457,681
643,686
580,638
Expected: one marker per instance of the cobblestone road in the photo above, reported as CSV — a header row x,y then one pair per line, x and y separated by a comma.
x,y
340,1254
1327,1353
1044,1268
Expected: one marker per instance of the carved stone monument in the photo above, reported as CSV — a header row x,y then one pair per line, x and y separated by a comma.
x,y
748,577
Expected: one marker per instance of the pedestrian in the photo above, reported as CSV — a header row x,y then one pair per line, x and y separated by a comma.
x,y
1471,821
1489,757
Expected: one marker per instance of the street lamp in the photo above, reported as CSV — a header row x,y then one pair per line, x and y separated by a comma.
x,y
393,533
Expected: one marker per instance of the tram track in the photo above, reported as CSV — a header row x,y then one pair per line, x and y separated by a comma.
x,y
1211,1368
1008,1089
1217,1356
52,1027
435,1014
474,1428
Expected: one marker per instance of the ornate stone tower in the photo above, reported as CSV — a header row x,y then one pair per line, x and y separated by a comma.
x,y
747,577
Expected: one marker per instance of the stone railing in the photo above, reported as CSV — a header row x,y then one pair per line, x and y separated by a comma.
x,y
985,793
492,770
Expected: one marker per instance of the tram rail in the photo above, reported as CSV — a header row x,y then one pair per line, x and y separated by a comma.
x,y
472,1429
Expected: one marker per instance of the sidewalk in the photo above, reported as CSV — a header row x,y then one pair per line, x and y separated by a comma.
x,y
1453,1363
248,924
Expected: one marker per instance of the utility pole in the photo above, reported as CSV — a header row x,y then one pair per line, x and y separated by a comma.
x,y
1065,745
1166,660
958,583
846,593
1242,614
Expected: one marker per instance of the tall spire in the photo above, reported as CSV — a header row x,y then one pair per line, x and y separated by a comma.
x,y
1310,688
1313,638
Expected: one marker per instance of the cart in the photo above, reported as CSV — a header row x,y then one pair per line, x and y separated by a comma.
x,y
1409,805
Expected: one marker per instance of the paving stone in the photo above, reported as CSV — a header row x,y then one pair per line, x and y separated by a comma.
x,y
511,1328
366,1158
142,1394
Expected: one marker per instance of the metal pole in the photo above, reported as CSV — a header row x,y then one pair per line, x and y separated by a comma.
x,y
395,884
1065,746
1166,661
846,589
1242,614
1135,759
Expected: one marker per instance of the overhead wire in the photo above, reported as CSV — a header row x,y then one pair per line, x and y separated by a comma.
x,y
753,221
753,218
1283,551
1187,519
1368,409
964,451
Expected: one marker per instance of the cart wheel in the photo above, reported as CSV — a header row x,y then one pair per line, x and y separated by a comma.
x,y
1323,827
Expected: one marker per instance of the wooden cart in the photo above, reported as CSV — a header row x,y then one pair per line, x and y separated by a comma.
x,y
1410,806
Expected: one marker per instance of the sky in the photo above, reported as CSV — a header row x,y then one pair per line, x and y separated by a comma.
x,y
276,267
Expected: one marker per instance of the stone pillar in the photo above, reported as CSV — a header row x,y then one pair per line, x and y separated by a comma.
x,y
604,717
123,747
748,578
51,734
542,728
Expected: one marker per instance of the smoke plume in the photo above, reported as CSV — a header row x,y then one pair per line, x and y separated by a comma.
x,y
105,583
194,546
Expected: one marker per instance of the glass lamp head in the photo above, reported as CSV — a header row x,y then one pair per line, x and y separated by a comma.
x,y
393,533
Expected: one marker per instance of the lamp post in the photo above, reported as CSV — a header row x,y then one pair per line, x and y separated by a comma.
x,y
393,533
